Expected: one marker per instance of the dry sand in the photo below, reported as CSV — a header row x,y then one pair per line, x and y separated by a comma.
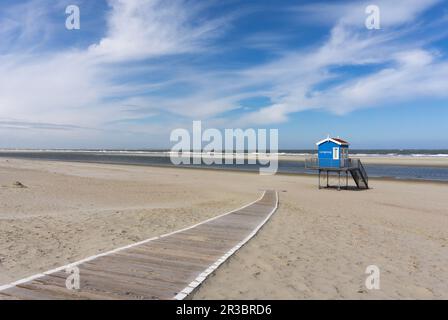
x,y
70,211
317,245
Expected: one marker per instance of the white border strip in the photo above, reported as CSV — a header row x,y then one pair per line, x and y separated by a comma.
x,y
67,266
201,278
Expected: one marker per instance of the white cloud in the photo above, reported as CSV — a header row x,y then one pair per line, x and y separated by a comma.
x,y
75,87
409,71
144,28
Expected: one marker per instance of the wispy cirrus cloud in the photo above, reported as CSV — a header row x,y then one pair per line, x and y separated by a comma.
x,y
139,29
12,124
402,68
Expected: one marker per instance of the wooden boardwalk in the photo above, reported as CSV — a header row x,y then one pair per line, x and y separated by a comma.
x,y
166,267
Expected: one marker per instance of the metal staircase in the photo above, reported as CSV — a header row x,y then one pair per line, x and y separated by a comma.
x,y
358,173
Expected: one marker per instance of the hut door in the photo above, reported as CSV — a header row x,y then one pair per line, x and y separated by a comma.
x,y
343,156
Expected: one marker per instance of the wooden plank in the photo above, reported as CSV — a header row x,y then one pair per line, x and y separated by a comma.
x,y
4,296
178,259
130,280
106,284
206,249
152,270
85,293
157,275
145,266
177,253
27,294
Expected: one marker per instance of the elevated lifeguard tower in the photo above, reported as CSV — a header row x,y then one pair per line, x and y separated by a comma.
x,y
333,156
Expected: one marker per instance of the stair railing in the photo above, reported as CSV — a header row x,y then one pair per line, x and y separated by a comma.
x,y
364,173
357,164
311,163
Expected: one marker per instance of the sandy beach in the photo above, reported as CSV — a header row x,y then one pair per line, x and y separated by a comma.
x,y
316,246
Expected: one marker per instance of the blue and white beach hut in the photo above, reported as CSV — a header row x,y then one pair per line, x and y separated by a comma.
x,y
332,157
332,153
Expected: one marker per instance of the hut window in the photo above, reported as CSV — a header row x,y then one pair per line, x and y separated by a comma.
x,y
335,153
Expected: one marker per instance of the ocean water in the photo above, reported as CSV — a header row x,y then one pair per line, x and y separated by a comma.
x,y
300,152
159,158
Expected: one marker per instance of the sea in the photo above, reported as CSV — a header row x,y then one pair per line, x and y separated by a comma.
x,y
161,158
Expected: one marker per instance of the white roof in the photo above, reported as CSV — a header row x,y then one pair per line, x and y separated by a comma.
x,y
335,140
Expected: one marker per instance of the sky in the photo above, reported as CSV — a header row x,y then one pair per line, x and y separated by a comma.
x,y
137,69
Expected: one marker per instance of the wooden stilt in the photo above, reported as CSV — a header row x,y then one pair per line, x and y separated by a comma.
x,y
339,181
319,178
346,180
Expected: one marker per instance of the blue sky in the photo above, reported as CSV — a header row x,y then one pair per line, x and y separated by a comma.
x,y
138,69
